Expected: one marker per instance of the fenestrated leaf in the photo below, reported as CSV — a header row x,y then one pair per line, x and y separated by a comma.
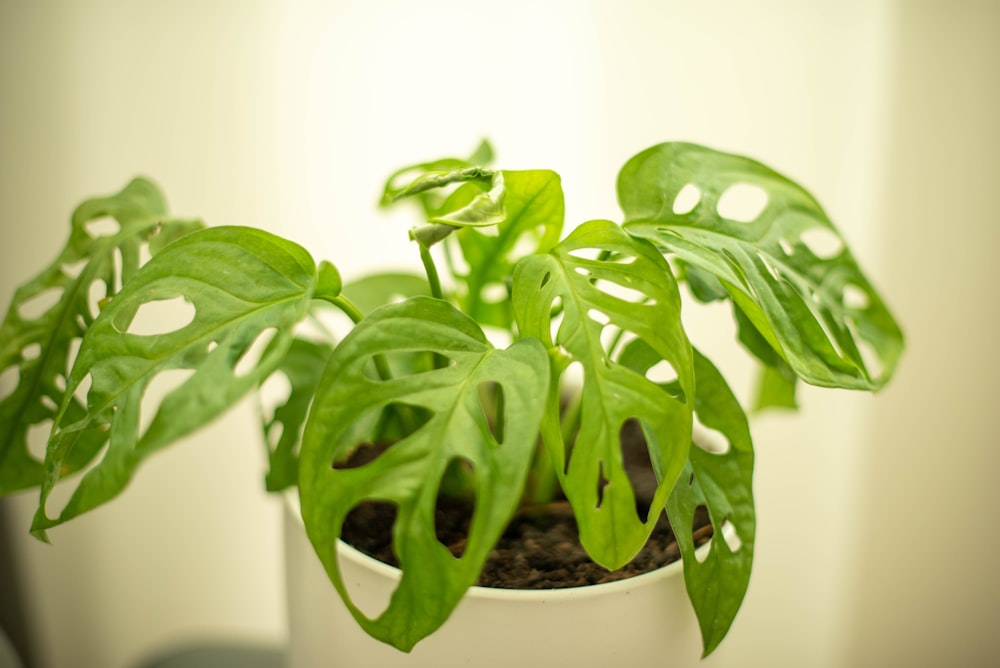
x,y
781,261
533,221
303,366
722,482
345,413
39,345
584,291
242,283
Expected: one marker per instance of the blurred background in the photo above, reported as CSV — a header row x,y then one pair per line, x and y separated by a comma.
x,y
875,541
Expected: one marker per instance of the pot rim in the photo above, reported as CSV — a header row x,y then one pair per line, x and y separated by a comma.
x,y
361,559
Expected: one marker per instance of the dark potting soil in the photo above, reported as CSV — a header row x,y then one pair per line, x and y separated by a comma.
x,y
540,548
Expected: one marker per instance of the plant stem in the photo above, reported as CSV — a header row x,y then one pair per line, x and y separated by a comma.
x,y
432,273
356,316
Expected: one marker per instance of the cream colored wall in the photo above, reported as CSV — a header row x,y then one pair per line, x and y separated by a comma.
x,y
287,115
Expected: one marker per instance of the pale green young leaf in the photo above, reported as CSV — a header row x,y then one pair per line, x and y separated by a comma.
x,y
430,199
350,404
721,482
590,295
244,285
779,258
39,345
533,223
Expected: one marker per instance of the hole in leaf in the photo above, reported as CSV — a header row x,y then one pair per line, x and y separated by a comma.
x,y
96,293
59,381
822,243
48,402
491,401
855,298
583,271
31,351
638,467
368,526
708,439
742,202
701,531
494,293
162,316
38,439
144,254
600,317
212,345
73,351
9,379
116,260
545,279
585,253
730,536
273,392
662,373
786,248
622,292
72,269
557,315
620,259
403,363
687,199
251,356
363,454
159,387
36,306
102,227
454,508
378,426
83,389
602,482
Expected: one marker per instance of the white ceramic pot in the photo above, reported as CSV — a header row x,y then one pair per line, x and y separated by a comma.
x,y
645,619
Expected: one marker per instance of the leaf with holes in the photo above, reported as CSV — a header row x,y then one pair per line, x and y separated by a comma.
x,y
50,313
776,253
242,284
533,223
632,291
722,482
447,424
302,366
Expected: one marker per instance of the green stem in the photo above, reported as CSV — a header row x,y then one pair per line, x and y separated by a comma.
x,y
432,273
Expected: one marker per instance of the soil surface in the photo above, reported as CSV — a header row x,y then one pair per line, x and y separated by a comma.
x,y
541,548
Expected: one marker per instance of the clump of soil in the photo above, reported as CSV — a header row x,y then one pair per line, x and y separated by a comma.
x,y
540,548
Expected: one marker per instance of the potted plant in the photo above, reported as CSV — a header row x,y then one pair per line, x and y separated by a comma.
x,y
503,387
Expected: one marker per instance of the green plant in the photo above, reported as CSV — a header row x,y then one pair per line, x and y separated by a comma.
x,y
418,369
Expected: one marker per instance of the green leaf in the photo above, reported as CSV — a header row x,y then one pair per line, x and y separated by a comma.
x,y
533,223
776,253
346,411
374,290
483,209
429,199
776,387
39,345
244,286
636,294
721,482
303,366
